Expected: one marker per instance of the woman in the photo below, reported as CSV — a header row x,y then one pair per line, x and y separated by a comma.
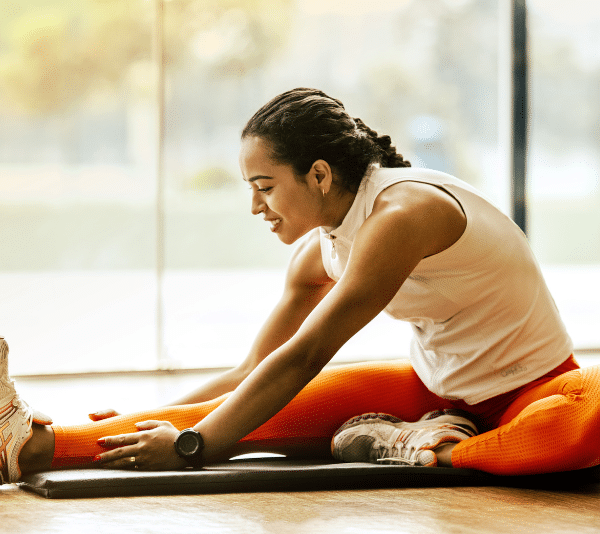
x,y
489,345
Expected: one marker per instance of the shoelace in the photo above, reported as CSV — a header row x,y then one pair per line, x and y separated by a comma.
x,y
399,460
403,448
404,451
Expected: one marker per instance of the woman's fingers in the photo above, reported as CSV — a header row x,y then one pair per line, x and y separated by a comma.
x,y
128,462
152,447
120,449
103,414
41,418
117,458
110,442
149,425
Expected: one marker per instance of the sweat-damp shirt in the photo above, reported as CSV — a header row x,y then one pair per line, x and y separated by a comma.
x,y
484,322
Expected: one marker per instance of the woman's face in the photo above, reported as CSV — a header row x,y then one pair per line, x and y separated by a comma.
x,y
292,208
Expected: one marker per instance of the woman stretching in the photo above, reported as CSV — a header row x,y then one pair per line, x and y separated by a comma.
x,y
491,383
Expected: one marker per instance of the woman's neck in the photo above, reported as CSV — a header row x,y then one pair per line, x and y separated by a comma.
x,y
338,202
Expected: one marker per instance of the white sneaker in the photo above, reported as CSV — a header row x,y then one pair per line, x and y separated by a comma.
x,y
16,419
383,438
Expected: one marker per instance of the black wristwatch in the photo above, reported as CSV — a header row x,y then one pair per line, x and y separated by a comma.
x,y
189,445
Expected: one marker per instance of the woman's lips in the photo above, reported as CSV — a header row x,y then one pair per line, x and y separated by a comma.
x,y
274,223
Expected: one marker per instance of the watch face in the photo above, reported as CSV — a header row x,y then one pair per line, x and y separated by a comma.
x,y
188,444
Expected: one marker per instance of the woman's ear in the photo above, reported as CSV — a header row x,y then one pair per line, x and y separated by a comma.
x,y
321,175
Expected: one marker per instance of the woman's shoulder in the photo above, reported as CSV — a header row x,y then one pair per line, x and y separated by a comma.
x,y
382,178
417,197
430,212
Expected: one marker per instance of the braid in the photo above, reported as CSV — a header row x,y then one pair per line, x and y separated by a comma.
x,y
388,155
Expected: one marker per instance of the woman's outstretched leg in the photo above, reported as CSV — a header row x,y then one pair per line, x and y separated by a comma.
x,y
305,426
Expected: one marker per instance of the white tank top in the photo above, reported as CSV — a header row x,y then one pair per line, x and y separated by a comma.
x,y
484,322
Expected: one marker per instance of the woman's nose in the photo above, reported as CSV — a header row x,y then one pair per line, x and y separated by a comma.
x,y
258,205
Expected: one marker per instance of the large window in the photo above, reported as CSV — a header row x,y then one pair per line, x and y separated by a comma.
x,y
77,184
423,72
113,227
564,161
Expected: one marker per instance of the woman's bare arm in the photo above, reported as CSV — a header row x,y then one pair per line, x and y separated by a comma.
x,y
306,285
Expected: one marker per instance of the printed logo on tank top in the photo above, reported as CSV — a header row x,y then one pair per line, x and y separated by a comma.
x,y
512,370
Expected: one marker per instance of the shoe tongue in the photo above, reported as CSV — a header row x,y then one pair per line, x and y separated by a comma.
x,y
7,390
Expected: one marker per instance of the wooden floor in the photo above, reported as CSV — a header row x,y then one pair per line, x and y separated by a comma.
x,y
478,510
485,510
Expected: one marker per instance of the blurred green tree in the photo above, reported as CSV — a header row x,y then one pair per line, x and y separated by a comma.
x,y
54,55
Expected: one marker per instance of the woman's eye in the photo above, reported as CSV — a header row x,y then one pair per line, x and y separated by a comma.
x,y
261,189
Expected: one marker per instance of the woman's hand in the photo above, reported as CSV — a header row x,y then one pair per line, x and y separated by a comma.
x,y
152,447
103,414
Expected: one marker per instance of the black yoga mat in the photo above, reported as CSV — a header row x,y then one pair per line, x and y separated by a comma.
x,y
277,474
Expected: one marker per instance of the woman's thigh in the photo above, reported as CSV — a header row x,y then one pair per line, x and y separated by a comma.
x,y
342,392
553,426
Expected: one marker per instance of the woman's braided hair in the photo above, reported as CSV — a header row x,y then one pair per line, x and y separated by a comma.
x,y
304,125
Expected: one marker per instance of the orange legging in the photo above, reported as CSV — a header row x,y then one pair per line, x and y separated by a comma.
x,y
551,424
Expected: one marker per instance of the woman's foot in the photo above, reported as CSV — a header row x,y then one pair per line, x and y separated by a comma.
x,y
382,438
16,422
